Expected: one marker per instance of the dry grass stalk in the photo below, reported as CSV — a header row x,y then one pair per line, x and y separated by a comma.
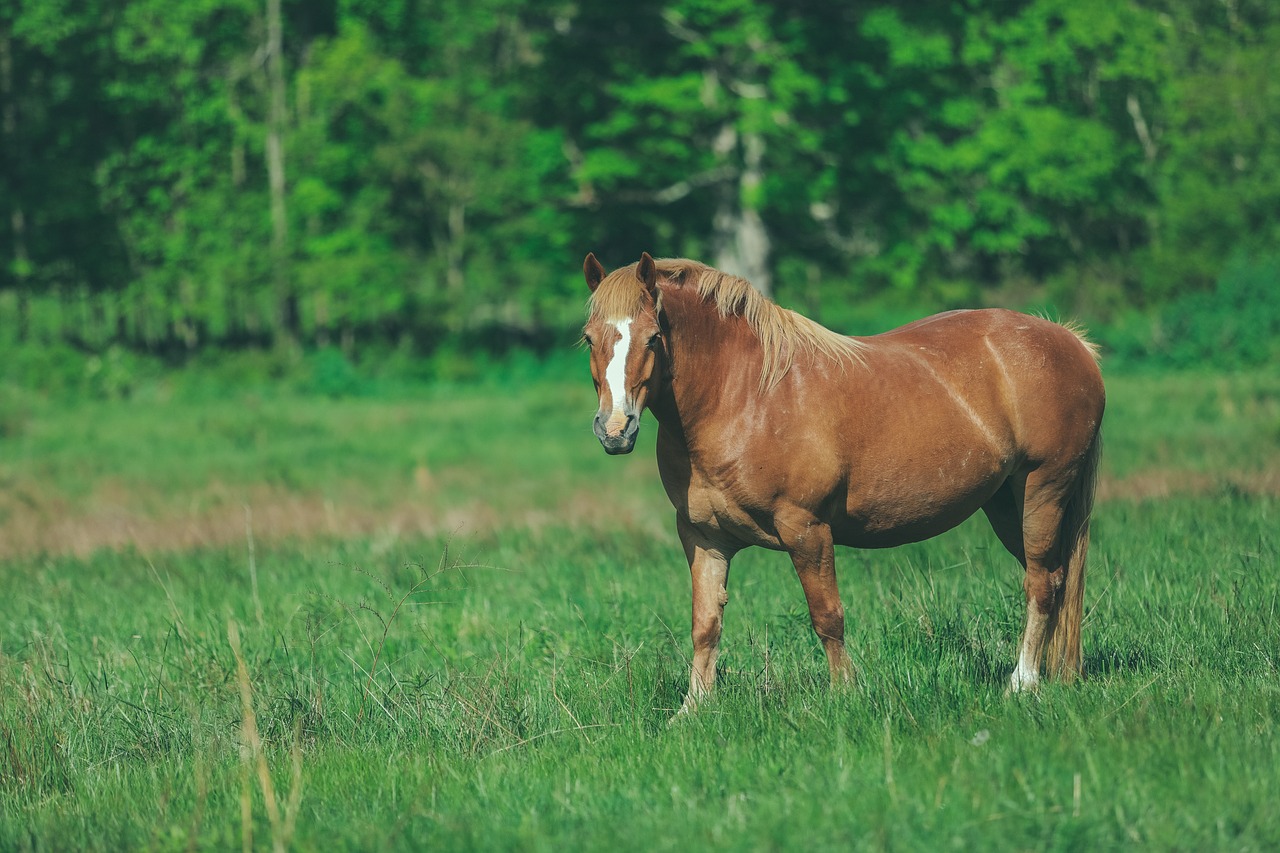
x,y
254,758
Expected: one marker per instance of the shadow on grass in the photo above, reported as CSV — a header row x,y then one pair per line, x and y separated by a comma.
x,y
990,662
1110,660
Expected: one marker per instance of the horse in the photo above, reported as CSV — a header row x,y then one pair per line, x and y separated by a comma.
x,y
776,432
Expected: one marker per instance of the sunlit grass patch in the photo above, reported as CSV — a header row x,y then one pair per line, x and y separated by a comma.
x,y
438,681
521,697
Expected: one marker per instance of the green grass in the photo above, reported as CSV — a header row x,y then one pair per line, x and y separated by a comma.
x,y
521,696
503,449
1199,423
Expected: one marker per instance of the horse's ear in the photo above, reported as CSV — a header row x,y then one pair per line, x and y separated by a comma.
x,y
647,272
592,271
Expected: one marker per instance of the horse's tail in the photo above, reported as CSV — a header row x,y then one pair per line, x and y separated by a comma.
x,y
1064,659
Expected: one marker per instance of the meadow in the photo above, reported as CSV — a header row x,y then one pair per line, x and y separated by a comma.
x,y
440,616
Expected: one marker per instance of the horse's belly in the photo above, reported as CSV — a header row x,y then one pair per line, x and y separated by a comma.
x,y
883,506
897,526
895,507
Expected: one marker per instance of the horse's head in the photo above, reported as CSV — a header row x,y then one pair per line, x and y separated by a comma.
x,y
624,337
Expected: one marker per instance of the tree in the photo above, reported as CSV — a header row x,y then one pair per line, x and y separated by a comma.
x,y
1217,141
691,115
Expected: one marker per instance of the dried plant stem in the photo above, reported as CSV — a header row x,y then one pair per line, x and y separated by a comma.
x,y
254,759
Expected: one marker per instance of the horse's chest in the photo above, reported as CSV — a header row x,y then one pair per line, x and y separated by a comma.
x,y
720,505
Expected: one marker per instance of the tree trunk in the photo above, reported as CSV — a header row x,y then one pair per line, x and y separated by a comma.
x,y
454,247
237,143
740,240
286,300
17,218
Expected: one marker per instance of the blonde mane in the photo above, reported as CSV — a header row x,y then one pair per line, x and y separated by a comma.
x,y
784,335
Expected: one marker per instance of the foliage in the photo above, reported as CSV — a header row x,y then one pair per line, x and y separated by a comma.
x,y
1236,325
447,164
332,374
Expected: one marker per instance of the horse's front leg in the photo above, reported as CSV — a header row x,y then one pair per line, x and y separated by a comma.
x,y
709,568
814,556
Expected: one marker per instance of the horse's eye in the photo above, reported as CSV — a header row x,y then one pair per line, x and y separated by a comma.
x,y
586,339
653,341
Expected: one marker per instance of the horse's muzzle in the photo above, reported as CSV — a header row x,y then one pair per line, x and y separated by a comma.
x,y
623,441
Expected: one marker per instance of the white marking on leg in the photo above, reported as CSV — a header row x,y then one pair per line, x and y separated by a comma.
x,y
1027,674
615,375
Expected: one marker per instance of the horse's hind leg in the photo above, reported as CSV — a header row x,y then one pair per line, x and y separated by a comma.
x,y
1004,511
1043,511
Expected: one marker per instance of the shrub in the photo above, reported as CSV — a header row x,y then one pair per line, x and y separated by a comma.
x,y
1236,325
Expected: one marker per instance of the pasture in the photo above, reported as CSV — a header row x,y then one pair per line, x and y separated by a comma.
x,y
444,618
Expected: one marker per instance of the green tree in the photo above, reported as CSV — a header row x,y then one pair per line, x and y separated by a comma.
x,y
1217,142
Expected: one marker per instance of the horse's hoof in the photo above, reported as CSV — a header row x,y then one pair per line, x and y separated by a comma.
x,y
687,707
1020,685
844,677
844,680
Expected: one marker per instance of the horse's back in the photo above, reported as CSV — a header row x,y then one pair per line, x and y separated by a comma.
x,y
1042,375
969,327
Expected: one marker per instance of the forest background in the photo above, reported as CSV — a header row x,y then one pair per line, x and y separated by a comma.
x,y
431,613
406,188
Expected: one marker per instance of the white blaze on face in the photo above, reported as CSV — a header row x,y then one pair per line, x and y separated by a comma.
x,y
615,376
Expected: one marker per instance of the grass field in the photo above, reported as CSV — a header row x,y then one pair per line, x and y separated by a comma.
x,y
458,624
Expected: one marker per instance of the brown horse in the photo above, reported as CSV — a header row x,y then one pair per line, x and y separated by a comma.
x,y
775,431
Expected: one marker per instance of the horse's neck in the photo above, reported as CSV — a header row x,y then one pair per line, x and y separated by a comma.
x,y
710,356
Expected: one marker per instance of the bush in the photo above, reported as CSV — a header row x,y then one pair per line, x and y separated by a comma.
x,y
332,375
1236,325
